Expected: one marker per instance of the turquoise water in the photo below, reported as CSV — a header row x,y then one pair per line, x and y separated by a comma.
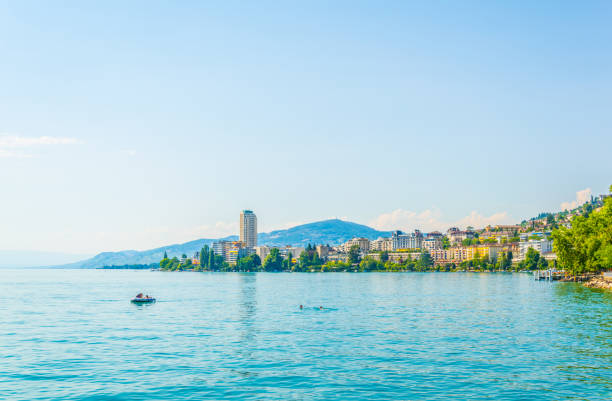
x,y
74,335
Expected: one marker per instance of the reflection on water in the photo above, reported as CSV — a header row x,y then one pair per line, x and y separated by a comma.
x,y
583,332
248,311
73,335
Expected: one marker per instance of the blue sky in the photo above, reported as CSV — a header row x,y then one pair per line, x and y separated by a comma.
x,y
130,125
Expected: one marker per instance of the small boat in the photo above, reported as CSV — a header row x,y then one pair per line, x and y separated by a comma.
x,y
142,299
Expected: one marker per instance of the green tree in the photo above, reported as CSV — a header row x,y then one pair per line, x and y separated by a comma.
x,y
542,264
531,260
212,260
289,261
425,262
163,264
353,254
165,255
187,264
586,247
204,256
476,259
369,264
309,258
274,261
384,256
249,263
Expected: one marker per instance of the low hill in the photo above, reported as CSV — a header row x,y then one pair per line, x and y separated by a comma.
x,y
331,232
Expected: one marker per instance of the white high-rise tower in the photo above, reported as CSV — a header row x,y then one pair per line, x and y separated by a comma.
x,y
248,228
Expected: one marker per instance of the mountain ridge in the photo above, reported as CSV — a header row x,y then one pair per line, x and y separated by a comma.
x,y
333,232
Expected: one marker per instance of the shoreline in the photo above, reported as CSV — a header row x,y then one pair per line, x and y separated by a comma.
x,y
597,281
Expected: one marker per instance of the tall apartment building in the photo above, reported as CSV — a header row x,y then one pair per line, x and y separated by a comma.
x,y
248,228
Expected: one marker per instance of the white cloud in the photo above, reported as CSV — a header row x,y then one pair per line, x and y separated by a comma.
x,y
582,196
475,219
8,143
432,220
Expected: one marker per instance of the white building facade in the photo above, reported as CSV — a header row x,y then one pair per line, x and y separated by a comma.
x,y
248,228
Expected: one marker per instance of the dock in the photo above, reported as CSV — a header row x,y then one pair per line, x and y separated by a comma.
x,y
549,275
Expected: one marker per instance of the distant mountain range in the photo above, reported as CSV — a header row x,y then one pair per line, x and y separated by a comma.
x,y
26,258
332,232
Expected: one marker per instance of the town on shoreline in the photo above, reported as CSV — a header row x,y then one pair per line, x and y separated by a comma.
x,y
556,241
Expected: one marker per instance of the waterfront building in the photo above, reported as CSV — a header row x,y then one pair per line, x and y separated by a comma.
x,y
337,257
543,246
442,256
431,243
230,250
323,251
401,257
381,245
362,243
248,228
456,236
510,229
401,240
461,253
434,234
262,251
218,247
236,251
295,251
500,232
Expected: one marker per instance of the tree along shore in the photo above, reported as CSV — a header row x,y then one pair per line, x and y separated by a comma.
x,y
584,251
309,261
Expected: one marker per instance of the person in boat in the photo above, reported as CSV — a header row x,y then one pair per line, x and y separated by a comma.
x,y
301,306
139,295
320,308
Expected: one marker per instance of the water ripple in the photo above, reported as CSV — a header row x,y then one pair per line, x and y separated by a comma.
x,y
73,335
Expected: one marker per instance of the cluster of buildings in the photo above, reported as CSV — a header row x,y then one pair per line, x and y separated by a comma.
x,y
449,248
231,251
399,246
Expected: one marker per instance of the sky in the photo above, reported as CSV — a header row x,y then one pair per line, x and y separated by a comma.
x,y
132,125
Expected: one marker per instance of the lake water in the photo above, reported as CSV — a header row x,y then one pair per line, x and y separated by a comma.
x,y
74,335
